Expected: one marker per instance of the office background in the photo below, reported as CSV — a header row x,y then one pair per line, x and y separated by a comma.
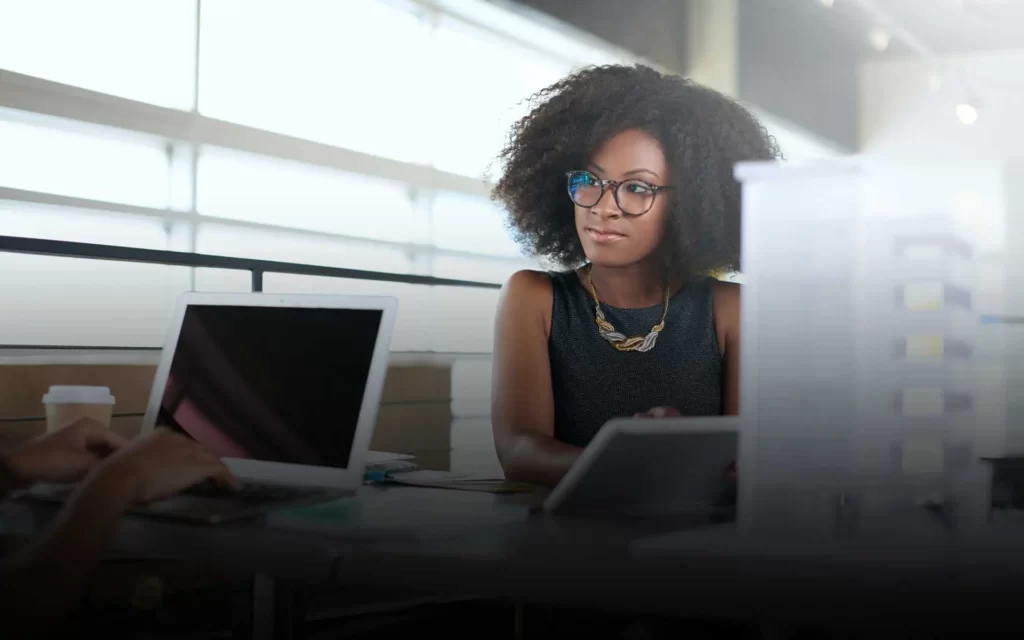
x,y
357,134
364,134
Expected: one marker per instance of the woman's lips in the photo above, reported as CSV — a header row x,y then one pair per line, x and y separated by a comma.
x,y
604,236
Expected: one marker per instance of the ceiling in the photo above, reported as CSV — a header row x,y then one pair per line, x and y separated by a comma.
x,y
840,32
963,26
798,59
945,27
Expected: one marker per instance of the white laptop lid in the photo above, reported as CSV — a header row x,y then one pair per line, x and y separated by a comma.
x,y
285,388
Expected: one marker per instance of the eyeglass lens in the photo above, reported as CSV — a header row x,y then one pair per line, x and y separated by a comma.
x,y
634,197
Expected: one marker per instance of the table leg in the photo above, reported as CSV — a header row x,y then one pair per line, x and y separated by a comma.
x,y
277,610
520,621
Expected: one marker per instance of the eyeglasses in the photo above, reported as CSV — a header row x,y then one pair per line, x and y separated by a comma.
x,y
634,197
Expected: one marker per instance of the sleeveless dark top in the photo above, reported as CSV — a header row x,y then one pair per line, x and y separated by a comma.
x,y
593,382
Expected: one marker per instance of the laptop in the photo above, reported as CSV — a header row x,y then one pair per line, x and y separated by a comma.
x,y
680,469
284,388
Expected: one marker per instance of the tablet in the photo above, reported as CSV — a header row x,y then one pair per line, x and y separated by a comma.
x,y
643,467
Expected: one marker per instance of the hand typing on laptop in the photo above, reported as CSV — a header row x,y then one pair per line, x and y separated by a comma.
x,y
63,456
659,412
160,465
114,475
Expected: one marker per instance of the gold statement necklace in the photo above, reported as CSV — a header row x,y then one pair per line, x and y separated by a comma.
x,y
619,340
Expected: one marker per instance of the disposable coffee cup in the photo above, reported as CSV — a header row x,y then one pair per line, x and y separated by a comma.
x,y
65,405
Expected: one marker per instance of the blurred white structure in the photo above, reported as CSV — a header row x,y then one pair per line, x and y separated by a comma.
x,y
904,118
862,383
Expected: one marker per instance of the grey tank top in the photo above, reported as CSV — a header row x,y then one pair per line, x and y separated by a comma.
x,y
593,382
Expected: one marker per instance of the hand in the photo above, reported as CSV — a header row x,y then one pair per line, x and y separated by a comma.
x,y
161,464
65,455
659,412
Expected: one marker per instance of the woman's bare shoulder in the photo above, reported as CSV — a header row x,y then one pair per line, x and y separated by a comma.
x,y
528,287
527,293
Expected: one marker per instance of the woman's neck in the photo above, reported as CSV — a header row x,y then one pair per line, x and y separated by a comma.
x,y
632,287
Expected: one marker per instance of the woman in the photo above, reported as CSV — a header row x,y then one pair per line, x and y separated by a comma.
x,y
625,175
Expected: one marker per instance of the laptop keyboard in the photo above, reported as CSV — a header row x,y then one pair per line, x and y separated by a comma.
x,y
251,492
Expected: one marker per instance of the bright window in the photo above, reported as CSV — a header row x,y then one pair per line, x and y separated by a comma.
x,y
414,324
466,223
139,50
73,302
388,78
223,281
462,319
522,25
284,247
29,221
351,73
481,84
258,189
478,269
89,164
62,301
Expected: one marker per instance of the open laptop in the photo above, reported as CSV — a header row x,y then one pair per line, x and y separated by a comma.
x,y
284,388
653,469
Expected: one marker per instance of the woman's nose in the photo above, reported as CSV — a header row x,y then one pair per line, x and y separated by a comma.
x,y
606,207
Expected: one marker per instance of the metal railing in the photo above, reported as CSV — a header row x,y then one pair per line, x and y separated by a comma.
x,y
257,268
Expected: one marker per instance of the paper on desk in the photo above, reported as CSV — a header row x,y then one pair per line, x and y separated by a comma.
x,y
484,487
379,457
458,481
427,475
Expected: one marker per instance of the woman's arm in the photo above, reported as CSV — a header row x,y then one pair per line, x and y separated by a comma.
x,y
523,406
727,327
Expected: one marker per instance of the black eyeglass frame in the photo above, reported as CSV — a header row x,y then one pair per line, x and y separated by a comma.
x,y
604,184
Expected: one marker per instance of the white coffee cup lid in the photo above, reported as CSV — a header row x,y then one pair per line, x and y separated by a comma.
x,y
78,395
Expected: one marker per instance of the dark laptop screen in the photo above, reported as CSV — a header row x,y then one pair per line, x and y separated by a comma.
x,y
270,383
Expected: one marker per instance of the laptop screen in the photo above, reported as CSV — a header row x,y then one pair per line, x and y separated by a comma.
x,y
271,383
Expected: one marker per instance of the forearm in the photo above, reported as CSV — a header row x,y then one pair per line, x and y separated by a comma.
x,y
43,583
9,479
537,458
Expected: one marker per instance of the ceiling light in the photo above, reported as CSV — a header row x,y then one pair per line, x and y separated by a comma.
x,y
879,38
827,3
967,113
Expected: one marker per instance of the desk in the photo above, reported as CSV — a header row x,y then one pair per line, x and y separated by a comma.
x,y
716,572
491,546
